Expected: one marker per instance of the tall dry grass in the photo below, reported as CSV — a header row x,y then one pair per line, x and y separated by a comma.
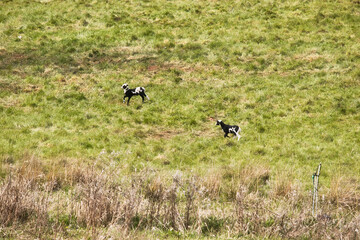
x,y
104,203
24,201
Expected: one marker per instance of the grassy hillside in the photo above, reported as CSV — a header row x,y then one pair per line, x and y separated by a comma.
x,y
286,72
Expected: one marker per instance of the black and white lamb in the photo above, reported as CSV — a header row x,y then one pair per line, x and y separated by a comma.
x,y
133,92
229,129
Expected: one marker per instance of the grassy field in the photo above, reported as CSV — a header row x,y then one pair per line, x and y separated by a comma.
x,y
286,72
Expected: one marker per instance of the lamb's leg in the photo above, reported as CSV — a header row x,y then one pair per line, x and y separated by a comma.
x,y
238,135
147,96
226,135
142,97
128,100
124,99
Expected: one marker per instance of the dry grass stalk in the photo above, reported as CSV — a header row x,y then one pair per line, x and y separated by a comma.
x,y
343,193
99,204
155,195
172,206
23,203
212,183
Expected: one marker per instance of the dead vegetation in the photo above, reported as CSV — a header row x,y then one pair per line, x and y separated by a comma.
x,y
101,198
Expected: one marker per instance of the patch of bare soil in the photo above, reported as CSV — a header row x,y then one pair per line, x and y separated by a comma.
x,y
165,134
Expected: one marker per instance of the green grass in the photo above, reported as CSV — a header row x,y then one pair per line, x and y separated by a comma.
x,y
287,72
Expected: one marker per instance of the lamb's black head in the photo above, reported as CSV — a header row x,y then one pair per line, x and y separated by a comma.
x,y
125,86
218,122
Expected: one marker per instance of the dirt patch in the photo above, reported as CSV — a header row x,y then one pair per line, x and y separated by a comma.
x,y
165,134
10,59
208,132
153,68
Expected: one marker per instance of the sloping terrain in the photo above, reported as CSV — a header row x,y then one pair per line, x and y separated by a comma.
x,y
286,72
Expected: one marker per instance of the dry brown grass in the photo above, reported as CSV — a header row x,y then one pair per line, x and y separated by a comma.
x,y
96,203
344,193
24,203
212,183
102,203
21,201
